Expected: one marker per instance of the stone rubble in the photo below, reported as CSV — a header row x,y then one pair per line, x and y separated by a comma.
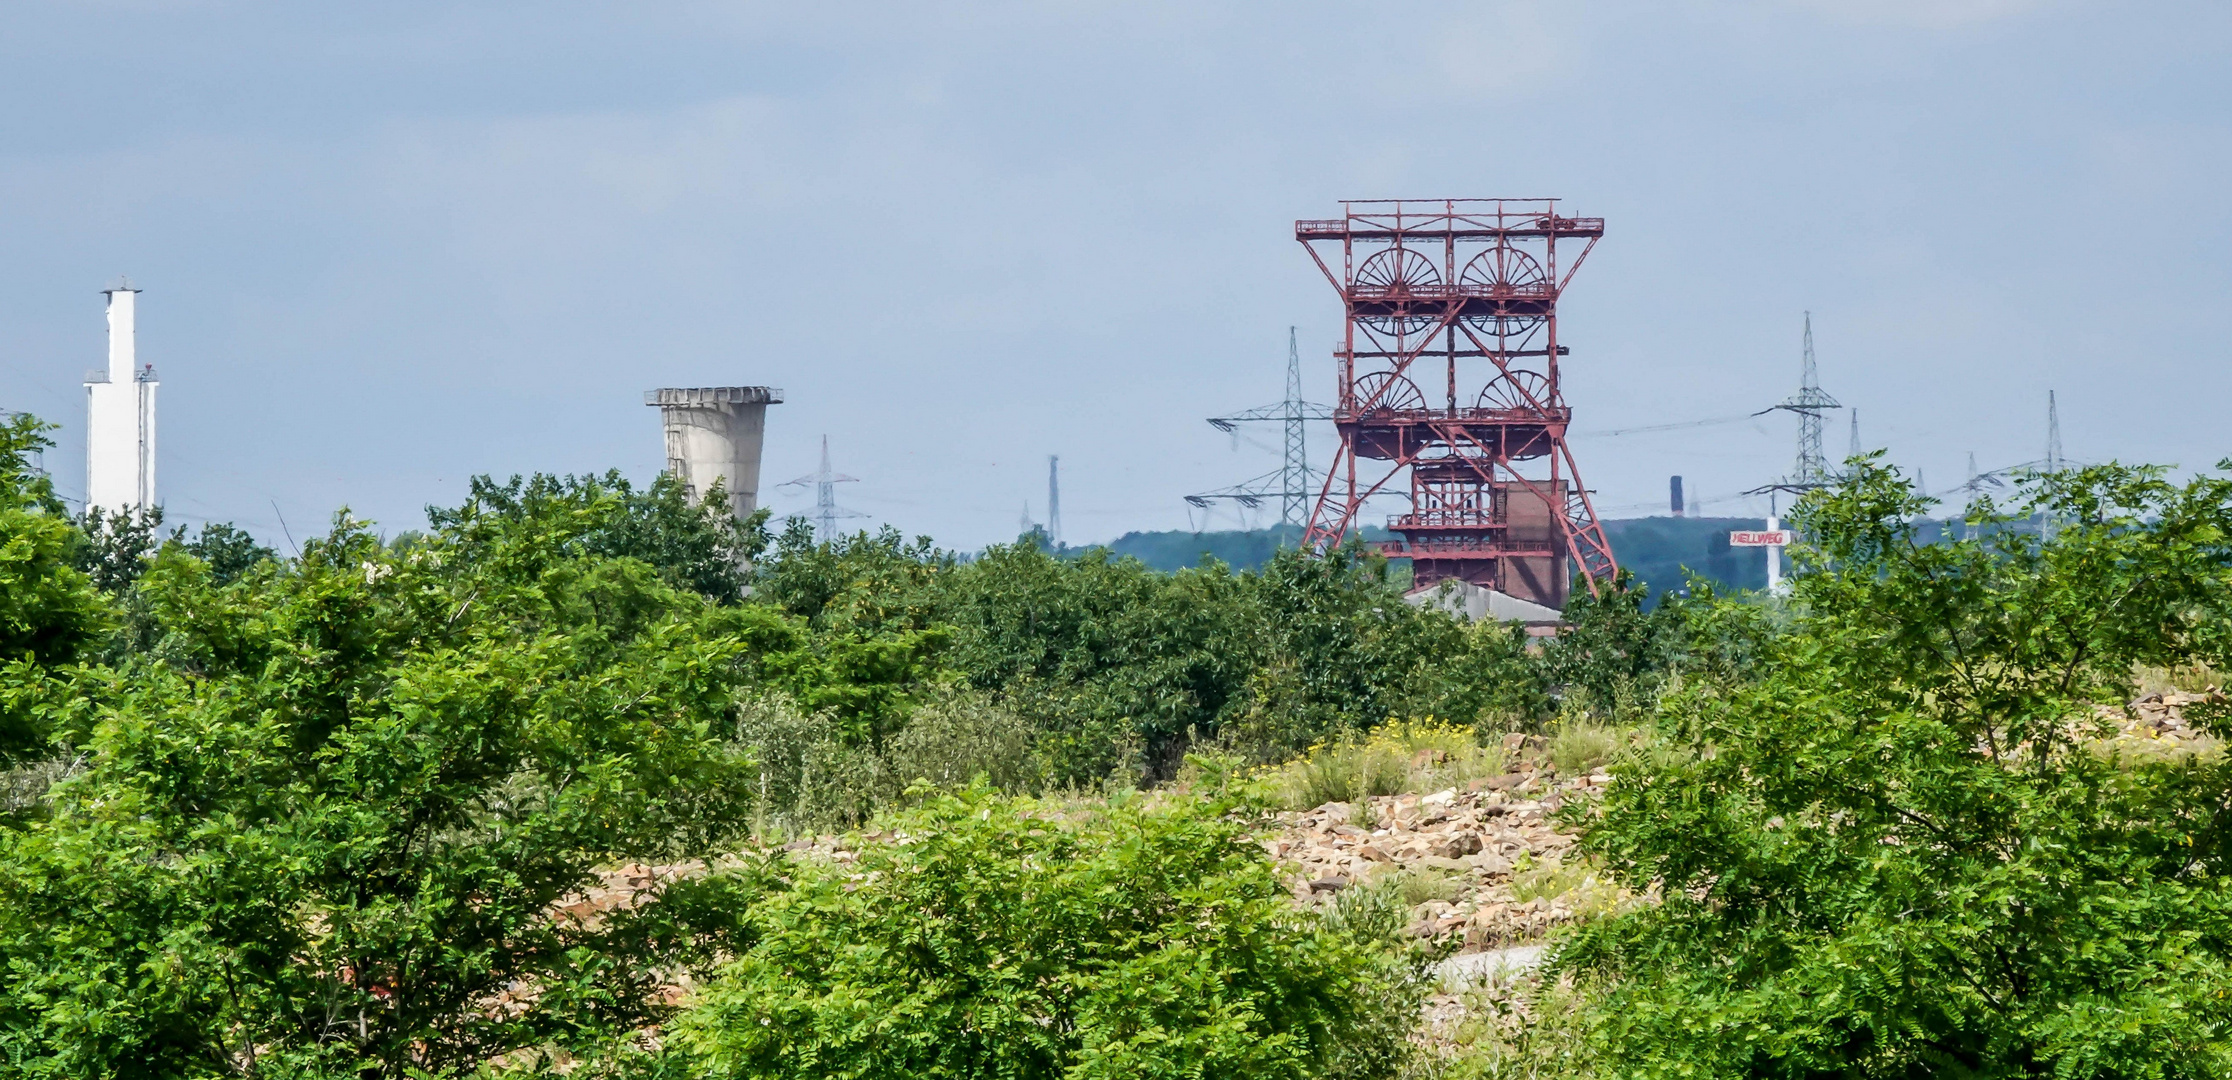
x,y
2160,723
621,888
1479,842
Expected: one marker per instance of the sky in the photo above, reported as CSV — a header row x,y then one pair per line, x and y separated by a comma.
x,y
386,247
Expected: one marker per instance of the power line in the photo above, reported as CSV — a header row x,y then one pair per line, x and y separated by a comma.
x,y
1679,425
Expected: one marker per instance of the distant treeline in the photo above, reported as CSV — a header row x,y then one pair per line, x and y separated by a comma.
x,y
1662,552
1659,550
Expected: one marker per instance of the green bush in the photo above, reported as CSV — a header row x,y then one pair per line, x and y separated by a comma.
x,y
1894,848
1615,655
1579,744
50,613
1351,770
1579,882
1531,1029
810,776
323,825
1420,884
960,738
1120,669
1010,938
805,775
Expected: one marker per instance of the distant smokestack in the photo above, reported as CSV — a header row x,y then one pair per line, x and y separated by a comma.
x,y
1054,499
1674,493
715,433
120,416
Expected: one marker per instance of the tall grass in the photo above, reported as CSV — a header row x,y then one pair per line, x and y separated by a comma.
x,y
1528,1029
1578,746
1419,884
1394,758
2192,678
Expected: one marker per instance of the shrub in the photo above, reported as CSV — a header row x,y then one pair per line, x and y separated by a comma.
x,y
1396,757
810,776
1580,882
805,775
2192,677
1421,884
1529,1029
1580,744
1895,849
325,824
960,738
1009,938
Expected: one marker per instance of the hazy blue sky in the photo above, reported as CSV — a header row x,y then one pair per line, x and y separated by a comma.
x,y
387,246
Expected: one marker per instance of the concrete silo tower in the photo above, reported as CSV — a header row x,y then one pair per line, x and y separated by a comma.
x,y
715,433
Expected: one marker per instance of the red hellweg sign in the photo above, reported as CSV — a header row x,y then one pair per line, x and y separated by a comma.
x,y
1762,538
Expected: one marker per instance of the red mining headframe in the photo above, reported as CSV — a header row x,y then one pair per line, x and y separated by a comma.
x,y
1469,286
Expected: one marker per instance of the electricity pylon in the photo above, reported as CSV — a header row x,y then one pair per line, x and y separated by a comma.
x,y
826,510
1812,468
2054,461
1290,483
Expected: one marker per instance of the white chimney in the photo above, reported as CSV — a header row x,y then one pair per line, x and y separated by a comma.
x,y
120,417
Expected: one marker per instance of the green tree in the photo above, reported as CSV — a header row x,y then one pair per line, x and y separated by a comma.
x,y
229,550
1616,648
114,548
1017,939
863,583
876,648
1338,650
1901,845
325,822
50,613
700,546
870,682
1121,669
1110,658
1486,674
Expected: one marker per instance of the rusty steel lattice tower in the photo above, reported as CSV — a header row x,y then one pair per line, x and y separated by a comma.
x,y
1448,372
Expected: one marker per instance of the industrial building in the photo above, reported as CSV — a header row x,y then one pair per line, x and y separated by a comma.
x,y
120,417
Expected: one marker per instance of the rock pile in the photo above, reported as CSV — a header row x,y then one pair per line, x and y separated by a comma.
x,y
2163,723
621,888
1481,849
